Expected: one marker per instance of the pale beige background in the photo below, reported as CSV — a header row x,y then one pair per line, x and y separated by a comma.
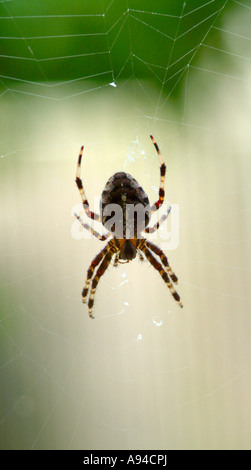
x,y
144,374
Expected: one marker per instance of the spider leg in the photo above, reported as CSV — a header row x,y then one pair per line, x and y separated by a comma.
x,y
154,262
141,257
163,258
160,201
79,183
111,248
156,226
96,234
100,271
95,262
115,264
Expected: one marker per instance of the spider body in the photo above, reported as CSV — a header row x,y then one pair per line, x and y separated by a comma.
x,y
123,191
121,196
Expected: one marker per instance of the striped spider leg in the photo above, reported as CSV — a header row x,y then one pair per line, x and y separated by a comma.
x,y
100,263
160,201
79,184
94,232
163,259
146,247
162,219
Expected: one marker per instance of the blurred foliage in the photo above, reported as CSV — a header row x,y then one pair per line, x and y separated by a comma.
x,y
106,40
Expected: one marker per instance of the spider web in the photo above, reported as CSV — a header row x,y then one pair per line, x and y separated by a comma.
x,y
107,74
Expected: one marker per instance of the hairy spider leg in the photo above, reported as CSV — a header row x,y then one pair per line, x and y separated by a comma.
x,y
154,262
100,271
163,258
90,272
79,183
109,247
94,232
162,219
160,201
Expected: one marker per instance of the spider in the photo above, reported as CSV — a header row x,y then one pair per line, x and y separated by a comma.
x,y
122,189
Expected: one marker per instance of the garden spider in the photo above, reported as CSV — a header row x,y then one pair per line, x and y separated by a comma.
x,y
122,189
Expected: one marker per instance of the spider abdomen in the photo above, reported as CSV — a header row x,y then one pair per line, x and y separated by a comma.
x,y
125,193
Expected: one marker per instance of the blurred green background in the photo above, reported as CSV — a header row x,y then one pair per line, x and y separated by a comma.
x,y
106,74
